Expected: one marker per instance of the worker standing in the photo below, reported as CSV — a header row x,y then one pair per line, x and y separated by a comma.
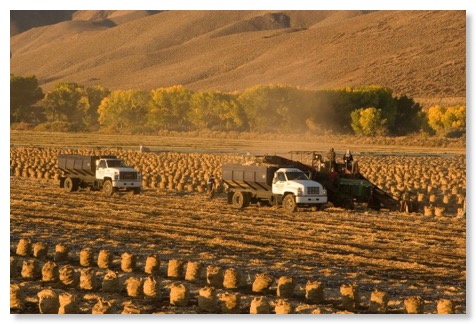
x,y
348,159
211,187
331,156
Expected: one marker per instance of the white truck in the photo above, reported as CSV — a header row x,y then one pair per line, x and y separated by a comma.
x,y
106,173
289,187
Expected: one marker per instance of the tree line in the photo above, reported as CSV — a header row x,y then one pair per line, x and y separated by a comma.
x,y
369,110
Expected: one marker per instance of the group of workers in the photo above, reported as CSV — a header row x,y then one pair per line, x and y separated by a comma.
x,y
348,160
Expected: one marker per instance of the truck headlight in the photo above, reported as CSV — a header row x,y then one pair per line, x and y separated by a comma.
x,y
299,191
116,177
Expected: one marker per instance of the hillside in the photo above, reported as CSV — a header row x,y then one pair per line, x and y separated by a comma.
x,y
417,53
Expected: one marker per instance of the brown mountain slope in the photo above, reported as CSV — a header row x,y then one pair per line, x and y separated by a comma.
x,y
418,53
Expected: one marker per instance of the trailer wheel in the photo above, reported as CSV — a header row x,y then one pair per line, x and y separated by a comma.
x,y
240,199
107,187
229,197
70,185
289,203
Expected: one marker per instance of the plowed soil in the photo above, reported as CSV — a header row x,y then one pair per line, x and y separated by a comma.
x,y
402,254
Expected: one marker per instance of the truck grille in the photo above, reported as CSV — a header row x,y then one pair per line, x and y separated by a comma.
x,y
128,176
313,190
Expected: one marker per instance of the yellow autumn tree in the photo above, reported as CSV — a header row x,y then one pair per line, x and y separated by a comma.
x,y
446,120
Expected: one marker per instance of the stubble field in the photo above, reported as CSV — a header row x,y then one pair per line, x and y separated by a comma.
x,y
404,255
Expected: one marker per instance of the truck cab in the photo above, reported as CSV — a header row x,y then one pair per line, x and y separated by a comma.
x,y
294,182
118,172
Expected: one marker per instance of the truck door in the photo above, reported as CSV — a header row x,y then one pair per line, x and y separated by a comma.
x,y
279,183
100,169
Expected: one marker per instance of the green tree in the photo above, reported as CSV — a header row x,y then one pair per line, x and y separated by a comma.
x,y
277,108
168,108
67,101
25,92
368,122
216,110
407,117
124,111
95,95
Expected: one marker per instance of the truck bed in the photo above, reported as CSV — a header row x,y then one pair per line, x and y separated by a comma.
x,y
79,165
248,177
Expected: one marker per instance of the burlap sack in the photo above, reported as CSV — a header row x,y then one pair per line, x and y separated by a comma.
x,y
262,282
86,257
231,279
179,294
194,269
207,299
259,305
24,247
230,303
134,287
48,302
30,269
314,292
16,297
40,250
175,269
284,307
105,259
215,276
102,307
350,296
445,306
151,288
68,276
152,265
128,262
87,279
378,302
285,287
413,305
110,283
68,304
130,308
61,253
50,272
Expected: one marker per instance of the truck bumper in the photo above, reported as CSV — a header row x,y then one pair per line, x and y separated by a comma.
x,y
311,199
127,184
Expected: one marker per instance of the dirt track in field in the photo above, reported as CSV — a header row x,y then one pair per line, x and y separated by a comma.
x,y
404,255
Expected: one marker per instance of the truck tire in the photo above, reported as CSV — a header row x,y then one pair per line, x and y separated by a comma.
x,y
240,199
289,203
137,191
348,204
70,185
107,187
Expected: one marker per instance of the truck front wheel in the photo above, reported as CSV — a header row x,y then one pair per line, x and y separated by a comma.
x,y
70,185
107,187
289,203
240,199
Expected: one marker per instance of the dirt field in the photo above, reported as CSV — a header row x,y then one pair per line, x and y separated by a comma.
x,y
403,255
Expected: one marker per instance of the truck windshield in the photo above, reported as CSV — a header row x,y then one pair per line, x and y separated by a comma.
x,y
116,163
296,176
